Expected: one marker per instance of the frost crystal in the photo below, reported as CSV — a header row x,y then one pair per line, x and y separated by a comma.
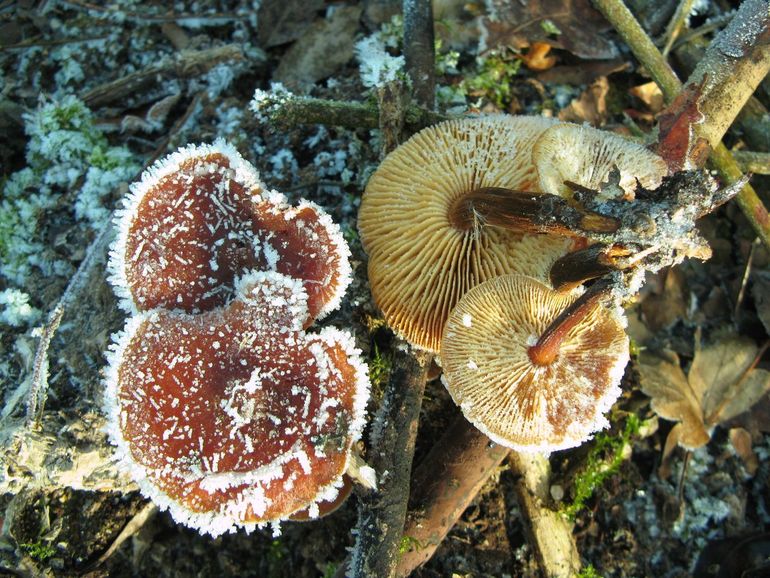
x,y
377,66
16,308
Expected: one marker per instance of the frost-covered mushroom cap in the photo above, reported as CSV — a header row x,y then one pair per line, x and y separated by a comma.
x,y
518,404
420,263
200,217
236,417
586,156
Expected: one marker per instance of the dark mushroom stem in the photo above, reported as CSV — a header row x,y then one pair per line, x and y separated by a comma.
x,y
585,264
526,212
547,348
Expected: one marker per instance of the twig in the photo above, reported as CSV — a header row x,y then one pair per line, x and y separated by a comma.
x,y
550,533
443,486
640,44
745,278
728,56
185,64
714,24
382,513
419,50
134,525
674,27
289,111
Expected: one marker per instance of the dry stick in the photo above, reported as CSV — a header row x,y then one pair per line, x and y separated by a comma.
x,y
419,50
550,533
185,64
678,21
733,65
443,486
297,110
382,513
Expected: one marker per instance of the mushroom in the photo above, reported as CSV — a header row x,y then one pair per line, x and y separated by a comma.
x,y
584,156
200,217
424,251
532,368
235,417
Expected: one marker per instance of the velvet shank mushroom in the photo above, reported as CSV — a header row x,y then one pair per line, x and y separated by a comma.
x,y
424,251
226,412
585,156
236,417
200,217
528,371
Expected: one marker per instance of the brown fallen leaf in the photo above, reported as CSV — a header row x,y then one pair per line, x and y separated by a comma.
x,y
580,27
650,94
676,141
721,384
591,107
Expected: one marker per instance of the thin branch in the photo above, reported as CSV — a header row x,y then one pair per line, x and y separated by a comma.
x,y
288,111
550,533
443,486
640,44
185,64
676,24
420,50
736,57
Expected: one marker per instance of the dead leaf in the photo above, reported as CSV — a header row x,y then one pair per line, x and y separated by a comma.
x,y
741,442
664,307
283,21
537,57
650,95
664,381
591,107
675,140
721,384
321,51
722,375
519,24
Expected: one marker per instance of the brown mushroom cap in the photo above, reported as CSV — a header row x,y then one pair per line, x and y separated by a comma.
x,y
584,155
527,407
236,417
420,264
200,217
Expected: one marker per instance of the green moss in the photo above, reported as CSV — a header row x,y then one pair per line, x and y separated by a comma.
x,y
38,551
379,367
603,462
408,544
494,76
589,572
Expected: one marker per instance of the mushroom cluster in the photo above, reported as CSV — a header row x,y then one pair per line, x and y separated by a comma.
x,y
452,219
226,411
